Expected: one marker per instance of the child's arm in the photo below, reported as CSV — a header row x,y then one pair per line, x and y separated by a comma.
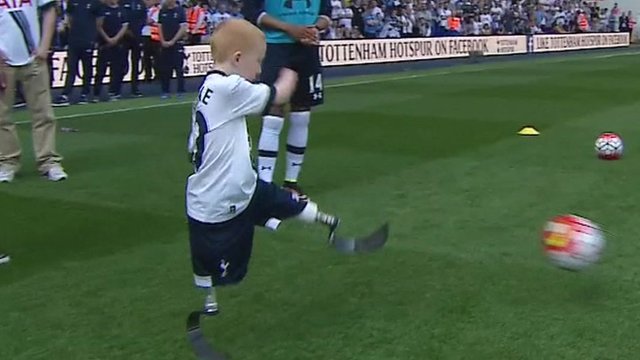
x,y
253,99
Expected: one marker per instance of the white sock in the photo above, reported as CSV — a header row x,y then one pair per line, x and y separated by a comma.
x,y
311,214
268,146
297,143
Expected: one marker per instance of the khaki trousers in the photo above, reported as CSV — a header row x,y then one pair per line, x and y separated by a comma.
x,y
35,83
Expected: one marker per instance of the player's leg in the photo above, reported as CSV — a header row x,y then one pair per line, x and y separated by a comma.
x,y
101,70
272,122
9,143
4,258
86,57
220,254
178,65
272,203
309,93
35,79
164,67
147,63
118,64
136,49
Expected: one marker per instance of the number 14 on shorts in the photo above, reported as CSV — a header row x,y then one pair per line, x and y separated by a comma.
x,y
315,86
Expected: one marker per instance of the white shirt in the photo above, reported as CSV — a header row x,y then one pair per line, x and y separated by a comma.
x,y
217,18
152,13
224,179
407,24
20,30
485,19
444,16
346,17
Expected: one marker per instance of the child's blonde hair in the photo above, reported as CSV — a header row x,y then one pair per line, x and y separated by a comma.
x,y
232,36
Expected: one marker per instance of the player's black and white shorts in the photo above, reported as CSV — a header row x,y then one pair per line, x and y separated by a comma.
x,y
305,60
221,251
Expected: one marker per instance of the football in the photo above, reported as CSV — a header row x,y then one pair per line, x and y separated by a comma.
x,y
609,146
572,242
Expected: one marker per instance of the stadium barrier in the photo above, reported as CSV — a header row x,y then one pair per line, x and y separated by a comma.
x,y
361,52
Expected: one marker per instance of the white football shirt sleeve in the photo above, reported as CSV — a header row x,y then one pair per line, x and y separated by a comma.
x,y
42,3
250,99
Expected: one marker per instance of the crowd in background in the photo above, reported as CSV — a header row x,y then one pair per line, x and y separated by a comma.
x,y
353,19
357,19
426,18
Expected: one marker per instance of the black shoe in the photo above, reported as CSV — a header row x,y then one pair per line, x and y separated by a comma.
x,y
294,188
4,258
84,99
61,100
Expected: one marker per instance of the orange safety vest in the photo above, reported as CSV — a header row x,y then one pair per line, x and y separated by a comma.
x,y
454,23
583,23
193,14
155,32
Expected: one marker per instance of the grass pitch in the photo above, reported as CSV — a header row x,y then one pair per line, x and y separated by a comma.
x,y
101,267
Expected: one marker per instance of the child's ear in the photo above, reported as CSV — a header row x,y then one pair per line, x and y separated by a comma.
x,y
236,56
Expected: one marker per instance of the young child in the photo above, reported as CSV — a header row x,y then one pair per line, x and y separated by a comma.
x,y
224,197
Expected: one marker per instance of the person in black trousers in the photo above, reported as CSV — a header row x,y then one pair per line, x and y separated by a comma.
x,y
81,15
112,26
136,13
151,41
172,25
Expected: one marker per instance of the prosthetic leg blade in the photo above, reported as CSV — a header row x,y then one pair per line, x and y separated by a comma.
x,y
201,347
375,241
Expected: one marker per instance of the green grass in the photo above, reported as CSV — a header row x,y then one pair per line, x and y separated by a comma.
x,y
101,266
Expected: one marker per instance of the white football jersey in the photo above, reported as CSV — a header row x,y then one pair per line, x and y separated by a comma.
x,y
20,29
224,179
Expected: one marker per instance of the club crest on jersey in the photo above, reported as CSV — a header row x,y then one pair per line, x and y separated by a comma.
x,y
14,4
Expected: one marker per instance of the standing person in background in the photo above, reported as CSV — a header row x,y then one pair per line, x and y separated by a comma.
x,y
236,10
632,24
582,22
81,25
172,25
614,18
219,15
357,10
292,30
136,14
624,23
24,47
197,25
151,41
112,26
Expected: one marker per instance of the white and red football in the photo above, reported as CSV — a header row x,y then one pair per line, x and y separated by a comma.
x,y
609,146
572,242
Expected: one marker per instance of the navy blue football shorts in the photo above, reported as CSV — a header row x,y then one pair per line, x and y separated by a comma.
x,y
220,252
